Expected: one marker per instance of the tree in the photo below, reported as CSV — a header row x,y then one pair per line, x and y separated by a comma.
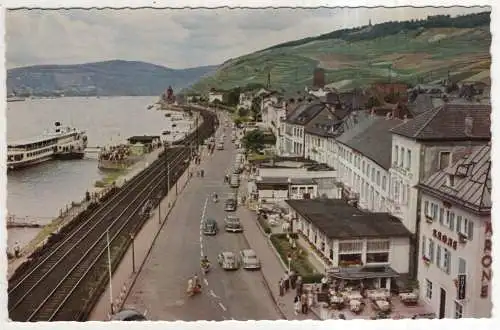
x,y
256,103
253,141
243,112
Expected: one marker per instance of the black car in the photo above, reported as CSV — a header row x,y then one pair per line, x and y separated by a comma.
x,y
128,315
230,205
210,227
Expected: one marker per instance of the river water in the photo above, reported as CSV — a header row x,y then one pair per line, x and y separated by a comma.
x,y
38,193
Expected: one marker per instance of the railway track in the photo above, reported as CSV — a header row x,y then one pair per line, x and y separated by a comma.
x,y
62,284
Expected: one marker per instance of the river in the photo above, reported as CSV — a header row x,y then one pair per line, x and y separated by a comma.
x,y
38,193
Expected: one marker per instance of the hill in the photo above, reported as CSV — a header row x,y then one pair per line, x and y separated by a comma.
x,y
110,78
412,51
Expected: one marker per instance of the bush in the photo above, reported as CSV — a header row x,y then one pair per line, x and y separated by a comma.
x,y
300,264
263,223
313,278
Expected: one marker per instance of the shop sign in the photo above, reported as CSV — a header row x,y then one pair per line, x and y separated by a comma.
x,y
461,286
486,261
445,239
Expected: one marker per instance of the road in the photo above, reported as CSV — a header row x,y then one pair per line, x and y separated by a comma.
x,y
161,287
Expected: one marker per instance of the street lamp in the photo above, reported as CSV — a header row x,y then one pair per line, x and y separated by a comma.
x,y
289,268
132,237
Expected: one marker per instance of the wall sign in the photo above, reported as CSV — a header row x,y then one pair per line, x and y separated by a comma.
x,y
461,286
445,239
486,261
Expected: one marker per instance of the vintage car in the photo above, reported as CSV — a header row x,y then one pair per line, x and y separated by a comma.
x,y
249,259
230,205
232,224
210,227
228,261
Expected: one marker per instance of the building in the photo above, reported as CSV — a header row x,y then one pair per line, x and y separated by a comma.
x,y
362,157
245,101
430,142
215,95
348,239
319,78
294,180
454,270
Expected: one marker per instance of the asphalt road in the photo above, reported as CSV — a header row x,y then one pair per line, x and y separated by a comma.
x,y
161,287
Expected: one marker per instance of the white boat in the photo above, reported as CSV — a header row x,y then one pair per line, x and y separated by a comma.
x,y
60,143
15,99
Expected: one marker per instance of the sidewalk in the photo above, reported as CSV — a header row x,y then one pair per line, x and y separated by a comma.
x,y
272,267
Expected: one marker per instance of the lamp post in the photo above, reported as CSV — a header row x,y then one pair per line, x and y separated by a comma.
x,y
289,180
289,268
132,237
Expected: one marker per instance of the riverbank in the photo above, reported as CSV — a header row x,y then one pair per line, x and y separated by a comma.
x,y
74,209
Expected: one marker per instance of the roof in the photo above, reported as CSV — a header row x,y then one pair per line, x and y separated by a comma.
x,y
305,112
447,122
339,220
143,138
472,190
357,273
284,180
326,123
372,138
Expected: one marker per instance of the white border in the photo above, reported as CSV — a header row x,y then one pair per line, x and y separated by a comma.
x,y
381,324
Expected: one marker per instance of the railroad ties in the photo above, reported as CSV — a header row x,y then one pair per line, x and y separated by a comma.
x,y
64,282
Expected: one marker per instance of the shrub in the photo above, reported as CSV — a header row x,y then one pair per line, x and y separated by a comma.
x,y
313,278
300,264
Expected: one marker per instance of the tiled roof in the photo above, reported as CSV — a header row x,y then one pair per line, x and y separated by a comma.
x,y
448,123
472,185
372,138
305,112
326,123
339,220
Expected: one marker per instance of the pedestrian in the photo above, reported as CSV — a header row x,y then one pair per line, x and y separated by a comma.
x,y
310,300
324,283
303,301
299,285
293,279
17,249
297,304
281,288
286,280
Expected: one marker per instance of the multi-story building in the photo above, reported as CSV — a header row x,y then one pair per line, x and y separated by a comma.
x,y
454,270
428,143
215,95
245,101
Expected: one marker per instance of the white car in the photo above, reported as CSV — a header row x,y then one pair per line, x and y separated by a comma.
x,y
228,261
249,259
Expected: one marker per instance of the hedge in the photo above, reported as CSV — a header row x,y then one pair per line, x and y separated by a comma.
x,y
300,264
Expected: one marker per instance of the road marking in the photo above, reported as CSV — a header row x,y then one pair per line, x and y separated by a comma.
x,y
201,239
222,306
212,293
205,281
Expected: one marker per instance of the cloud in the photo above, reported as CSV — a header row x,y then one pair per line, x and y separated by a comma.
x,y
177,38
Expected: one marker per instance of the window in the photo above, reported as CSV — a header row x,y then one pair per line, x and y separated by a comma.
x,y
451,181
363,167
459,310
424,242
373,174
465,227
438,255
408,159
378,245
427,212
428,289
396,155
368,170
462,266
441,216
402,157
378,178
431,250
446,260
377,257
346,247
444,159
384,182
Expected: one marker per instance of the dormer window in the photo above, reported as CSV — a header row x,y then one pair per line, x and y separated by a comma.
x,y
451,181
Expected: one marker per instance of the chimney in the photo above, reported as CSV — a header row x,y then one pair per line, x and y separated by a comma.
x,y
469,122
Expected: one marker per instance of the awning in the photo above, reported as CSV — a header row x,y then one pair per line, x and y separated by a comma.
x,y
361,273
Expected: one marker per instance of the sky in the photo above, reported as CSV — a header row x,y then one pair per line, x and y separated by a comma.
x,y
179,38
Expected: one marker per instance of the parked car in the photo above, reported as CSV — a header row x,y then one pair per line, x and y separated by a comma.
x,y
210,227
228,261
234,181
249,259
129,314
230,205
232,224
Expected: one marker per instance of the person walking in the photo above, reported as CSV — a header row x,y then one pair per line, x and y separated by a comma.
x,y
299,285
303,302
297,304
293,279
310,300
286,280
17,250
281,288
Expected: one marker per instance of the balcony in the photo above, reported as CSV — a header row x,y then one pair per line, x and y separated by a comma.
x,y
405,172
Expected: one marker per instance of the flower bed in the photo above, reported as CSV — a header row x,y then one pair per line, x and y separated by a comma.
x,y
299,263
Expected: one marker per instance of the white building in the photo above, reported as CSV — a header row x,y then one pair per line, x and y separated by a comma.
x,y
426,144
352,241
245,101
362,159
215,95
454,270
